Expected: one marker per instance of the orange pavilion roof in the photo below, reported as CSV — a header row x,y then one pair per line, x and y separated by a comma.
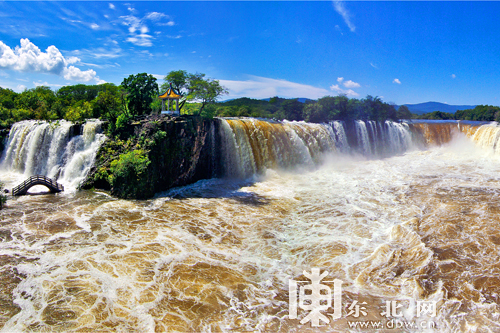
x,y
170,94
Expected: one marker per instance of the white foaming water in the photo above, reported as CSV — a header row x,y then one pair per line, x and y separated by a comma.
x,y
251,146
363,138
340,136
217,255
47,148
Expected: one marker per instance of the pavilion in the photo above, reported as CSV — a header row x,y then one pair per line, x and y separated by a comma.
x,y
169,95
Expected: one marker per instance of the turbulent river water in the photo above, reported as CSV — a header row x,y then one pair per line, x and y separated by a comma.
x,y
410,216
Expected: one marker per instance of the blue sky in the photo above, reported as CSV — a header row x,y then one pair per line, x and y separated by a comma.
x,y
403,52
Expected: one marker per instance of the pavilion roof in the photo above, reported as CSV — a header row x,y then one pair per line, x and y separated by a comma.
x,y
170,94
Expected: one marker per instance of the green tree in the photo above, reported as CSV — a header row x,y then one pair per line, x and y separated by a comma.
x,y
404,112
38,101
7,98
79,111
204,90
108,104
194,87
179,80
292,109
129,174
315,113
142,89
438,115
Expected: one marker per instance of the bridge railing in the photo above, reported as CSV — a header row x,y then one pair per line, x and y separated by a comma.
x,y
35,180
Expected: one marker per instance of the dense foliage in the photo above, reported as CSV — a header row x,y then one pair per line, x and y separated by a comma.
x,y
479,113
74,103
128,171
142,90
323,110
137,95
194,87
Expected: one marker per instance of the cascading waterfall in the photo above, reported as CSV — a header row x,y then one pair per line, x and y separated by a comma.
x,y
398,137
251,145
488,136
51,149
218,255
363,138
340,136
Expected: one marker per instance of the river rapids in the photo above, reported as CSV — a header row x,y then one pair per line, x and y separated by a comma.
x,y
408,215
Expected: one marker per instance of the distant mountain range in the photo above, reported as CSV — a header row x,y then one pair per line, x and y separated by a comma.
x,y
427,107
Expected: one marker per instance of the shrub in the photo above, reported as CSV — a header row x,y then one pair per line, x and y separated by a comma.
x,y
128,177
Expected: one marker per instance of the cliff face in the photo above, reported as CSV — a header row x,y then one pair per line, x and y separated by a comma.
x,y
153,156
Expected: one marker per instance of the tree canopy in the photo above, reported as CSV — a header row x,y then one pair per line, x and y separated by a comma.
x,y
142,89
137,95
194,87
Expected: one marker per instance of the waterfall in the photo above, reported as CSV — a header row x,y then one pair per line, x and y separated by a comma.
x,y
488,136
363,138
340,136
248,146
251,145
398,137
53,149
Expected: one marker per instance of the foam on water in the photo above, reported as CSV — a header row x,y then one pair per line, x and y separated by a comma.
x,y
49,149
217,254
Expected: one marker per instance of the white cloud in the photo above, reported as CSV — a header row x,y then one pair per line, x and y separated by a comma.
x,y
29,58
141,40
261,87
111,6
21,88
168,24
351,84
347,84
349,92
453,76
340,8
98,53
76,74
94,26
155,16
159,77
135,24
373,65
396,81
46,84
